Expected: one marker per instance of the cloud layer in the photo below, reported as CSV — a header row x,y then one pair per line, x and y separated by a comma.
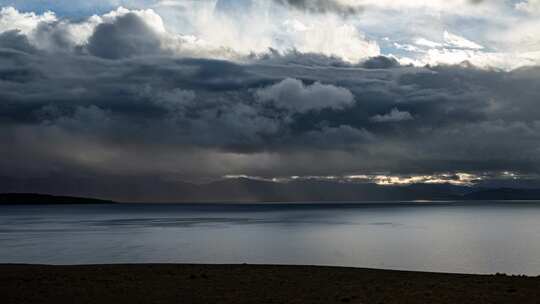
x,y
121,96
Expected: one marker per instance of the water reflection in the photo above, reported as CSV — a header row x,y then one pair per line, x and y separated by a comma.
x,y
450,237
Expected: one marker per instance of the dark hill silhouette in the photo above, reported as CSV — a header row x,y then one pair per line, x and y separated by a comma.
x,y
33,199
504,194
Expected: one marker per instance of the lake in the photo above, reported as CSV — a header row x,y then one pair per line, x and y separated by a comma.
x,y
464,237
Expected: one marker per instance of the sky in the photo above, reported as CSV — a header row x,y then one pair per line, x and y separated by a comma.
x,y
391,92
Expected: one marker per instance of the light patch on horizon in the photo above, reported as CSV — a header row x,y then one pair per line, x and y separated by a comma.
x,y
457,179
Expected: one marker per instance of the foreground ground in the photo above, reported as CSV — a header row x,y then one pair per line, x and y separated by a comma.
x,y
253,284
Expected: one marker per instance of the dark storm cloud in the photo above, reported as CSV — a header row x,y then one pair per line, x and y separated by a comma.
x,y
333,6
322,6
380,62
127,108
318,60
15,41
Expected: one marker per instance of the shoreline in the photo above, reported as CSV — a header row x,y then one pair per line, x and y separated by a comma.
x,y
291,203
205,283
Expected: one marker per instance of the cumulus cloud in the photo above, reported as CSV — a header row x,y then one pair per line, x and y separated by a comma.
x,y
394,115
128,36
217,28
208,32
254,118
330,37
293,95
122,95
12,19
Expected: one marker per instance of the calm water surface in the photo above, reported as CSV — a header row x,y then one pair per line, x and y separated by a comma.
x,y
443,237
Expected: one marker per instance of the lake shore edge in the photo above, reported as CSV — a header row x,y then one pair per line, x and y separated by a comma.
x,y
220,283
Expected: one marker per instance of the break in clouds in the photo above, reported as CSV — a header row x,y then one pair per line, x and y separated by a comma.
x,y
121,95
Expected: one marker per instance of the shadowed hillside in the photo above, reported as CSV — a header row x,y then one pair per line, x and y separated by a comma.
x,y
33,199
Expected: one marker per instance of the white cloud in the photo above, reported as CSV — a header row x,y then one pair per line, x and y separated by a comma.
x,y
454,40
455,49
12,19
151,18
330,37
46,31
427,42
528,6
190,28
482,59
263,25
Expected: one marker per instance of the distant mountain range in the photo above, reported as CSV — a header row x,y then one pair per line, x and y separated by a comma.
x,y
301,191
249,190
504,194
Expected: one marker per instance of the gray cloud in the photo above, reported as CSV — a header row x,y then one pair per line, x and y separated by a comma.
x,y
394,115
125,108
293,95
15,41
127,36
333,6
322,6
380,62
